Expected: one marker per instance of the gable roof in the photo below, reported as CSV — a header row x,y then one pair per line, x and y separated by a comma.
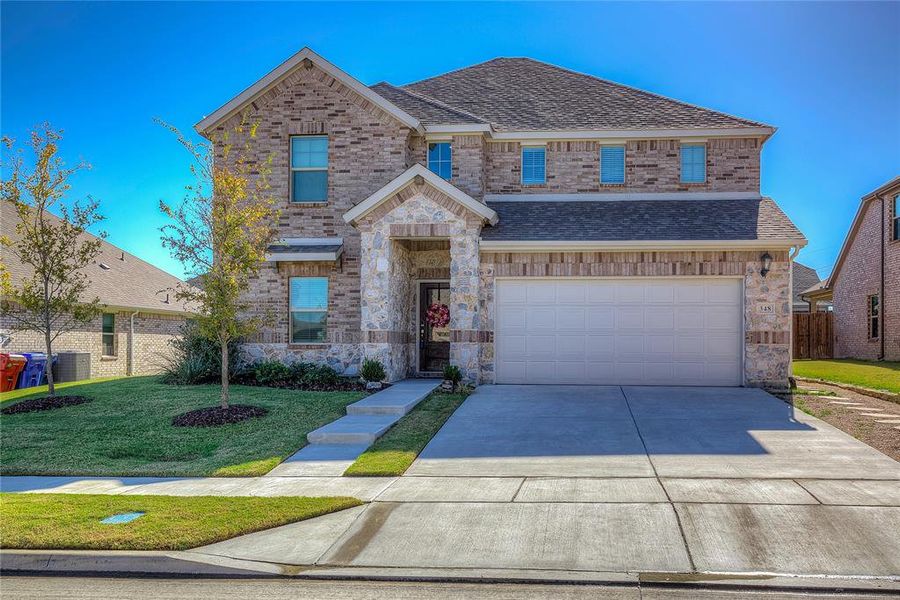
x,y
407,178
891,186
129,282
739,222
282,71
525,94
803,278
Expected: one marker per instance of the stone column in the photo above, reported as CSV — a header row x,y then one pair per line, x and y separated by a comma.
x,y
464,293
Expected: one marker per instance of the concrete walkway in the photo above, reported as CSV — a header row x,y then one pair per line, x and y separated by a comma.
x,y
336,446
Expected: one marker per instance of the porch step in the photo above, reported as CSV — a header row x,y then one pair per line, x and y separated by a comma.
x,y
319,460
353,429
398,399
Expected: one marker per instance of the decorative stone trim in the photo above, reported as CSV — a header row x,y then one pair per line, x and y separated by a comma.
x,y
768,337
419,230
380,336
470,336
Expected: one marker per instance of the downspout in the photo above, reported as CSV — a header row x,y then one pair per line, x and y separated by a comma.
x,y
130,370
881,314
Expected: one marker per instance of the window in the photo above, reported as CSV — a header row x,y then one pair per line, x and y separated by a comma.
x,y
309,309
693,163
309,168
612,164
533,168
873,311
108,336
439,159
895,218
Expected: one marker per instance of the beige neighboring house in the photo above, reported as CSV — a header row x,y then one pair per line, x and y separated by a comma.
x,y
864,286
579,231
140,314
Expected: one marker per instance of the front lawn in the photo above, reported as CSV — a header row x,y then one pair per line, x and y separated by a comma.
x,y
127,430
72,521
873,375
392,453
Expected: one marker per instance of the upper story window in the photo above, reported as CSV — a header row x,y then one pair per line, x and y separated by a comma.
x,y
873,311
440,159
693,163
895,218
309,309
309,168
612,164
534,171
108,335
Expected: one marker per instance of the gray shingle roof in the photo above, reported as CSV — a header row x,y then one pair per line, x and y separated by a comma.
x,y
303,249
129,282
525,94
641,220
427,110
803,278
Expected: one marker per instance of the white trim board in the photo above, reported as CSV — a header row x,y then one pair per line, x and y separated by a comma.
x,y
405,179
286,68
624,196
631,245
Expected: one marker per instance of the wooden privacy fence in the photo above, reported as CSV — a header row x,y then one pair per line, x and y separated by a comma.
x,y
813,335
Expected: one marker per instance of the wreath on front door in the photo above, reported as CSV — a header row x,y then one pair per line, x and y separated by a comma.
x,y
438,315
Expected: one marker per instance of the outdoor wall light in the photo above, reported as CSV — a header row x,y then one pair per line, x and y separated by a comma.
x,y
766,264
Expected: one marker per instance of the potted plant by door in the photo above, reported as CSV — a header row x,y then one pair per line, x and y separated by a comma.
x,y
452,377
372,372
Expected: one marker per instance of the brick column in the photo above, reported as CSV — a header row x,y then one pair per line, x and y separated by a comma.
x,y
464,294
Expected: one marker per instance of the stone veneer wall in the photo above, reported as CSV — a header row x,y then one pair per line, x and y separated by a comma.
x,y
859,278
151,350
767,357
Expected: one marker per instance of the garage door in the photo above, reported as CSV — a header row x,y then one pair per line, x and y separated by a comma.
x,y
619,331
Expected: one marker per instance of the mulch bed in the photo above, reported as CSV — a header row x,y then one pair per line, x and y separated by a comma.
x,y
214,416
347,385
45,403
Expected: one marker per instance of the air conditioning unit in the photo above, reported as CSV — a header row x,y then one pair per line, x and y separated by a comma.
x,y
72,366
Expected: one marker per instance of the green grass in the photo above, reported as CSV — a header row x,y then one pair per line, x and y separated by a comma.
x,y
42,389
72,521
873,375
127,430
393,452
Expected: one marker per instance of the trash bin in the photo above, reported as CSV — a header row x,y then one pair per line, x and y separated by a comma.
x,y
10,367
33,374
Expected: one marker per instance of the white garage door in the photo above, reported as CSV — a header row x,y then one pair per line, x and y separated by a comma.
x,y
619,331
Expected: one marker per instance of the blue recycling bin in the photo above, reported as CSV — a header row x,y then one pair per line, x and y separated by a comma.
x,y
33,374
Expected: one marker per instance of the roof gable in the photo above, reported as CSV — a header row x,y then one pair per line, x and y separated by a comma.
x,y
284,70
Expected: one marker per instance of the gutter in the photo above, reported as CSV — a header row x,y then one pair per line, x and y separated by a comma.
x,y
130,369
881,314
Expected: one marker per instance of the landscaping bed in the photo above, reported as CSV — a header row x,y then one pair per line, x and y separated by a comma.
x,y
127,430
819,401
395,451
43,403
73,521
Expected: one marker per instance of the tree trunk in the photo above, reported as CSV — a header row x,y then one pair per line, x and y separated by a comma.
x,y
48,368
224,374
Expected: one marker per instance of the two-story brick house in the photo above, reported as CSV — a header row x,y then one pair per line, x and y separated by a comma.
x,y
578,230
864,285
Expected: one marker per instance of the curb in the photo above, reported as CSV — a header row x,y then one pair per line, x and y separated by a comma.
x,y
854,388
189,565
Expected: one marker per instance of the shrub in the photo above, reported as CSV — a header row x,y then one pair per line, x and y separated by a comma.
x,y
372,370
196,359
271,372
319,376
452,373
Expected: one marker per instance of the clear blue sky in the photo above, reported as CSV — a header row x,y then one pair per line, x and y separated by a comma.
x,y
827,75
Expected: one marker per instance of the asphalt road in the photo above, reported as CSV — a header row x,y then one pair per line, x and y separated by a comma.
x,y
77,588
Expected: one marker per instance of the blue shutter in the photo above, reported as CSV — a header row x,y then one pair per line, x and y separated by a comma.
x,y
612,164
533,169
693,163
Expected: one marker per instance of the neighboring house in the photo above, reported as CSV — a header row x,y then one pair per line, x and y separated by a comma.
x,y
805,278
580,231
140,314
865,283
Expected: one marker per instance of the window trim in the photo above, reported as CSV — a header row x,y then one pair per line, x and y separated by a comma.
x,y
111,334
449,159
292,168
624,152
681,163
895,220
291,312
543,148
873,316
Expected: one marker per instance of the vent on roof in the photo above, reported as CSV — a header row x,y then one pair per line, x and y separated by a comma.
x,y
104,266
166,301
122,258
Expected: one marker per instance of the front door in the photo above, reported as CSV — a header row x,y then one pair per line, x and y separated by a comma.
x,y
434,338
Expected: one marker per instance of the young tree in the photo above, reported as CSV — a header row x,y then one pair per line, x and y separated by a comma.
x,y
51,298
220,232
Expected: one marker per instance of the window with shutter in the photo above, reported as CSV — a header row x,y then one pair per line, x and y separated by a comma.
x,y
612,164
533,165
693,163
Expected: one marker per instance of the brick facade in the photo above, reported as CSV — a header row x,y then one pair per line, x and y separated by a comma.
x,y
859,277
151,345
